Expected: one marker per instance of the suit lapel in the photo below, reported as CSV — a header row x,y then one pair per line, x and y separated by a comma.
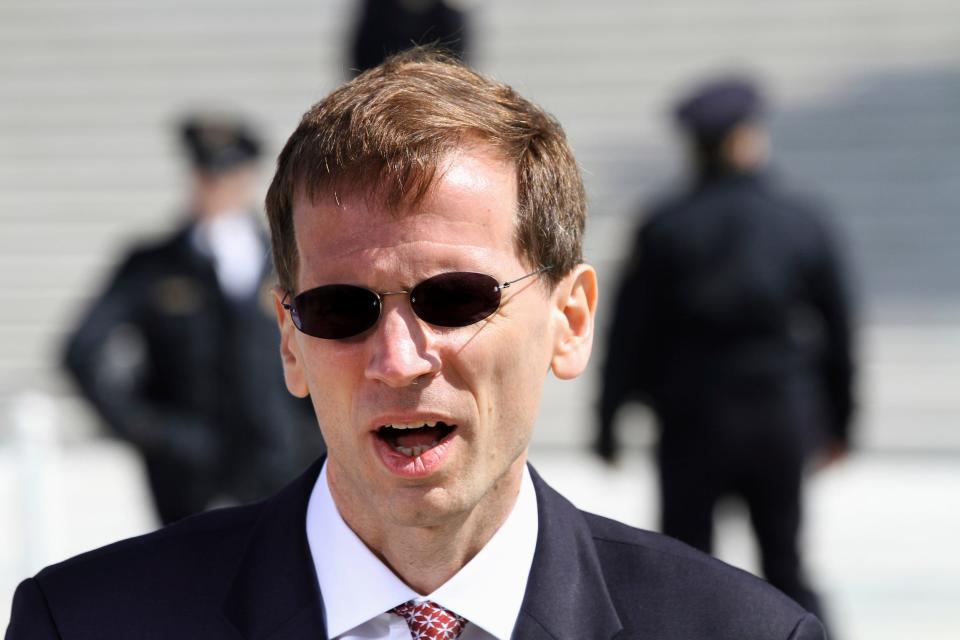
x,y
274,594
567,595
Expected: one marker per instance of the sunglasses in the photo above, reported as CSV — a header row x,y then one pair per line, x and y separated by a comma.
x,y
454,299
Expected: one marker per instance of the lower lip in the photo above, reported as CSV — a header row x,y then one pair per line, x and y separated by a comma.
x,y
427,463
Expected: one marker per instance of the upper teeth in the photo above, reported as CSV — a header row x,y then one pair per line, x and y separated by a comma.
x,y
412,425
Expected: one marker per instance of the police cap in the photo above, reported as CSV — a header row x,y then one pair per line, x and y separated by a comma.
x,y
712,109
218,143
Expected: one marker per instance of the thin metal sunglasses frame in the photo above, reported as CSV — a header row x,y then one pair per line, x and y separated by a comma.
x,y
379,295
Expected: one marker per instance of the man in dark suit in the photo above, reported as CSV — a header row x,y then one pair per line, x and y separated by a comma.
x,y
426,225
732,322
178,355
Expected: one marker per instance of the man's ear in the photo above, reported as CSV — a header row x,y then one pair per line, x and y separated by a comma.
x,y
293,371
575,307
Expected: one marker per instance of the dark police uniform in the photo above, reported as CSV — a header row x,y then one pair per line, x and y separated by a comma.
x,y
732,322
205,404
189,374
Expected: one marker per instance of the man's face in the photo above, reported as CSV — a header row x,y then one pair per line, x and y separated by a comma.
x,y
483,380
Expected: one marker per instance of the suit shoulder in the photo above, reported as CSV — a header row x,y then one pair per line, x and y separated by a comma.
x,y
192,549
155,585
617,540
625,540
642,566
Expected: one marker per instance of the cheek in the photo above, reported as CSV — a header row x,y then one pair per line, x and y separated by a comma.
x,y
516,376
326,360
331,371
523,384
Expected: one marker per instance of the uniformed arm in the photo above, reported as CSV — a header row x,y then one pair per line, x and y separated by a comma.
x,y
115,392
809,628
833,298
30,618
628,359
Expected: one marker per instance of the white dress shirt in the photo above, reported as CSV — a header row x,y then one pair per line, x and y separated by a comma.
x,y
359,590
232,241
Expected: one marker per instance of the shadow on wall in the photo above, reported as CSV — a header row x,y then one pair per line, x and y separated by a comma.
x,y
886,154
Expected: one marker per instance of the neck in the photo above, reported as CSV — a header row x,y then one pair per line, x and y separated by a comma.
x,y
217,213
426,555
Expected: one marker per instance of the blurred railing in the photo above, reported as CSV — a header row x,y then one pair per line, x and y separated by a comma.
x,y
32,440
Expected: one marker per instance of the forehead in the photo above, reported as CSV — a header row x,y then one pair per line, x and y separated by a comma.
x,y
467,217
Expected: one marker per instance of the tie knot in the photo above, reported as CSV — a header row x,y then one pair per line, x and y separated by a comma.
x,y
429,621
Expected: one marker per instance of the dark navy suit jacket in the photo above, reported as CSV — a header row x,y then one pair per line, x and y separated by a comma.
x,y
246,573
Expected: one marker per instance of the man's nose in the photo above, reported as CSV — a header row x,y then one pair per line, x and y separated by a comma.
x,y
401,350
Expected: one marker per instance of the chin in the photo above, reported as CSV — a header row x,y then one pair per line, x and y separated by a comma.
x,y
427,507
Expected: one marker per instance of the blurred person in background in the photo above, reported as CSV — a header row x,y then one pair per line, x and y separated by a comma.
x,y
179,354
386,27
732,322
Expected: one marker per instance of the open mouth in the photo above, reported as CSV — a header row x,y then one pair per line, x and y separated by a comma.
x,y
413,440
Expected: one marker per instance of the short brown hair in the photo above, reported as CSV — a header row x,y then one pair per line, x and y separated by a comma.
x,y
389,129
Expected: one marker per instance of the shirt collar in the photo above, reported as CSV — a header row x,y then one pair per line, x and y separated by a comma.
x,y
204,230
356,586
489,590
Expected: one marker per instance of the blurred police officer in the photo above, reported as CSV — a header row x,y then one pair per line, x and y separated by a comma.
x,y
732,323
386,27
179,353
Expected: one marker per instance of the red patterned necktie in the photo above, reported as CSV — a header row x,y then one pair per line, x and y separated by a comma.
x,y
429,621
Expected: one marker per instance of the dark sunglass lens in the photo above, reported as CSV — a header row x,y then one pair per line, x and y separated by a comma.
x,y
455,299
336,311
